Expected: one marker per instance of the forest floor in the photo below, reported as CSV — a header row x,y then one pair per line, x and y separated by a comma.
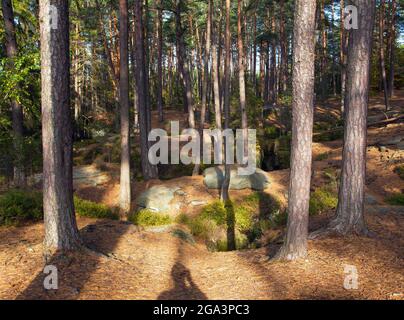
x,y
137,263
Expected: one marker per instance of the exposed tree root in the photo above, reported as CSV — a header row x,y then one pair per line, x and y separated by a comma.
x,y
337,228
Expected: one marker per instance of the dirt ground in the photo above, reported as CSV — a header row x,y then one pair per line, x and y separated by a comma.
x,y
138,264
127,262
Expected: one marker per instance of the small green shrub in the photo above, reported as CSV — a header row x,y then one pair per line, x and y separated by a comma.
x,y
321,200
396,199
400,171
148,218
89,209
17,206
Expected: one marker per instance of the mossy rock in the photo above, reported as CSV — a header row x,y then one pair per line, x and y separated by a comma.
x,y
214,177
250,218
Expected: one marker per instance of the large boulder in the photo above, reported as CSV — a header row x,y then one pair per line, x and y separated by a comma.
x,y
214,176
160,199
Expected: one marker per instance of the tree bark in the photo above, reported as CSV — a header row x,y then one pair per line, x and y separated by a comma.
x,y
125,185
16,108
295,245
349,214
61,231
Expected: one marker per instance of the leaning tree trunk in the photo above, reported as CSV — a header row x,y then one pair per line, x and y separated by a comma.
x,y
125,187
382,11
349,215
149,171
16,108
295,245
60,223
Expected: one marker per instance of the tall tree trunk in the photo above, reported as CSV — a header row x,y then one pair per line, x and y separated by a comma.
x,y
183,62
254,69
134,69
382,10
349,214
61,231
206,64
334,81
267,73
392,47
160,61
149,171
224,193
323,63
125,186
241,76
344,46
263,56
215,75
205,80
16,108
295,245
283,37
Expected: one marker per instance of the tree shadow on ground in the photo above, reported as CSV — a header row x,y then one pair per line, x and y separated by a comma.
x,y
75,268
184,287
231,225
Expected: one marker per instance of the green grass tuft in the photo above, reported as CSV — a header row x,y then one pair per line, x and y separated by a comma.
x,y
89,209
148,218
